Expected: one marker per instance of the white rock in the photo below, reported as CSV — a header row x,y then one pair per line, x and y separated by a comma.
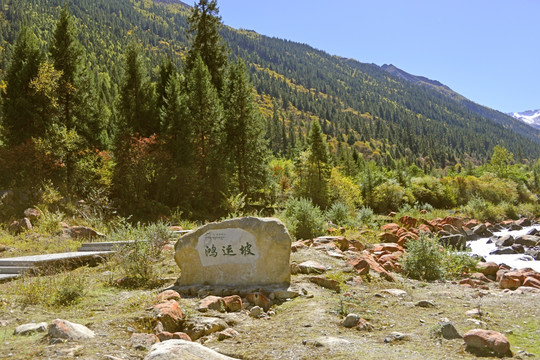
x,y
181,349
63,329
30,328
256,312
395,292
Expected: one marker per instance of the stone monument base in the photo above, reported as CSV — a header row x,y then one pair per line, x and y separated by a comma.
x,y
276,291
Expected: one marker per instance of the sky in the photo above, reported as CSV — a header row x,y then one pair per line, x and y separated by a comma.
x,y
486,50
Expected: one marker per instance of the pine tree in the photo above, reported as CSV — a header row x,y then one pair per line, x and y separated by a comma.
x,y
244,127
319,165
205,116
137,113
206,42
21,116
66,54
166,71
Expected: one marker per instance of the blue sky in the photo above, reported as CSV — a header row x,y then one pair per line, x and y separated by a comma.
x,y
486,50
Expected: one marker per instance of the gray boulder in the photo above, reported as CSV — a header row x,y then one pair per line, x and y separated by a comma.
x,y
199,327
505,240
457,241
527,240
448,331
503,251
31,328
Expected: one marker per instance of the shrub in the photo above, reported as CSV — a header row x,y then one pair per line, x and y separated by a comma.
x,y
69,290
305,220
340,214
365,216
481,209
424,259
137,261
344,190
388,196
427,259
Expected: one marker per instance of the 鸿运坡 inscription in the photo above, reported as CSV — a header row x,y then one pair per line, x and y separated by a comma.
x,y
227,246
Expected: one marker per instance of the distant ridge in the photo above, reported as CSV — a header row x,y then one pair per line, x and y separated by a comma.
x,y
420,80
507,120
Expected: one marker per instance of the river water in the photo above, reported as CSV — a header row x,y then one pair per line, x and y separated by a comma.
x,y
518,261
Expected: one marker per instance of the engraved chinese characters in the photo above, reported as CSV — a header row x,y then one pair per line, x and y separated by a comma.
x,y
237,252
234,246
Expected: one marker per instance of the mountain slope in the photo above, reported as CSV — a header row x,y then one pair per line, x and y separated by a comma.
x,y
506,120
360,106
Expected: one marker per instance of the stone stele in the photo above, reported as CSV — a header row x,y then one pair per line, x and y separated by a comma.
x,y
238,252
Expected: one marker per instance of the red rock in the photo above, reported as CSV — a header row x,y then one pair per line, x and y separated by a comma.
x,y
367,260
390,247
227,334
165,335
175,228
326,283
487,340
167,295
511,280
389,257
233,303
474,283
360,265
454,221
259,299
471,223
297,245
391,228
425,228
170,315
488,268
211,303
531,282
401,232
480,277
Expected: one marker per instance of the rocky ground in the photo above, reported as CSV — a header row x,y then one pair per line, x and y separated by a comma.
x,y
400,319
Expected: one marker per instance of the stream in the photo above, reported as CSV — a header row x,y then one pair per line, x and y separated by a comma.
x,y
483,247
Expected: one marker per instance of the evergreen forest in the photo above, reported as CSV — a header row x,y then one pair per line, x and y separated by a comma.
x,y
157,110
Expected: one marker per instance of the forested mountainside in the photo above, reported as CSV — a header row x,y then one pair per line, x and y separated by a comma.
x,y
360,106
506,120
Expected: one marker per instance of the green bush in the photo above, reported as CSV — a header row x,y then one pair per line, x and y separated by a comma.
x,y
427,259
340,214
423,259
69,290
305,220
389,196
137,261
365,216
481,209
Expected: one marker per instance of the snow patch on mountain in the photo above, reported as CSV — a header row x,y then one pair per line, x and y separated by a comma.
x,y
531,117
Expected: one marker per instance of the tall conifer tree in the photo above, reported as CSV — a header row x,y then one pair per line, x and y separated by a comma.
x,y
244,126
21,118
206,42
206,121
137,113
